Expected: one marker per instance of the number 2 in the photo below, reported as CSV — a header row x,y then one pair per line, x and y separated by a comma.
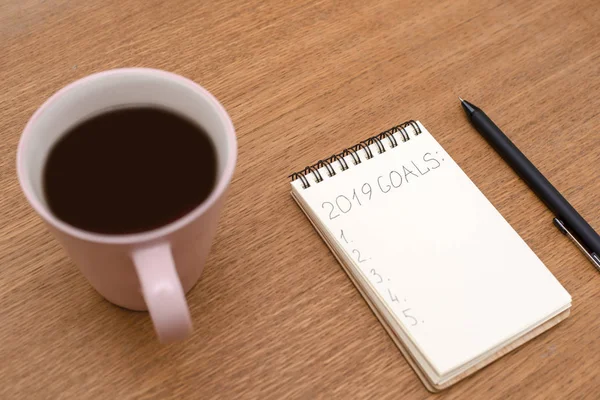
x,y
358,256
331,216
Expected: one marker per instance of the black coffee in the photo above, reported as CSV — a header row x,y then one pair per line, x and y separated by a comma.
x,y
129,170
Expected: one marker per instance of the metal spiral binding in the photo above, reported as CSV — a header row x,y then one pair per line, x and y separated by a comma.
x,y
353,152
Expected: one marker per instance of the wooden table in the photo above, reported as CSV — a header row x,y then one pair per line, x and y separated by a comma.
x,y
275,316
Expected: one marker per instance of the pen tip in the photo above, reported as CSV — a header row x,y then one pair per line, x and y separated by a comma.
x,y
468,107
460,98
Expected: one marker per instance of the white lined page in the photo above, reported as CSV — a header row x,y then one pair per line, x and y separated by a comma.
x,y
458,279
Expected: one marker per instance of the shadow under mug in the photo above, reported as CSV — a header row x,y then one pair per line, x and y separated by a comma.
x,y
144,271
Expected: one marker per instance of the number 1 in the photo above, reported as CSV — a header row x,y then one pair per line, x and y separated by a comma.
x,y
344,237
356,197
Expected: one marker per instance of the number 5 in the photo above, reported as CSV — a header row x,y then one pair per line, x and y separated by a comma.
x,y
414,320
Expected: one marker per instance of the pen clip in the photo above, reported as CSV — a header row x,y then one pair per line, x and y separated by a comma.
x,y
593,257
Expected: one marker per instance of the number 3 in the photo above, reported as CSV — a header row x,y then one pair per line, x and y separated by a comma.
x,y
377,275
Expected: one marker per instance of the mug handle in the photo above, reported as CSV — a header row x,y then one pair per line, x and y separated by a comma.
x,y
162,291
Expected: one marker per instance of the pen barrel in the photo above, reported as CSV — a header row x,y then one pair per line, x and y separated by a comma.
x,y
536,181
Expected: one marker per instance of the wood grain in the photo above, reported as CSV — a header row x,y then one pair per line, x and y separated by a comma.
x,y
275,316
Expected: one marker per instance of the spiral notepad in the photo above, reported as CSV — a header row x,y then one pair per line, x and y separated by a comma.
x,y
450,280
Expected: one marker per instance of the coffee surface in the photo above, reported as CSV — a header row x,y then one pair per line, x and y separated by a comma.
x,y
129,170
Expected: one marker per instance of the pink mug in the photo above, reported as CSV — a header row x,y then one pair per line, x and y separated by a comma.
x,y
144,271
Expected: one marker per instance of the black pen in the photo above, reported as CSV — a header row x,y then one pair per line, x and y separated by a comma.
x,y
567,219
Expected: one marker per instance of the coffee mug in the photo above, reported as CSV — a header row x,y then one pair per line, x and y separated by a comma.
x,y
151,270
